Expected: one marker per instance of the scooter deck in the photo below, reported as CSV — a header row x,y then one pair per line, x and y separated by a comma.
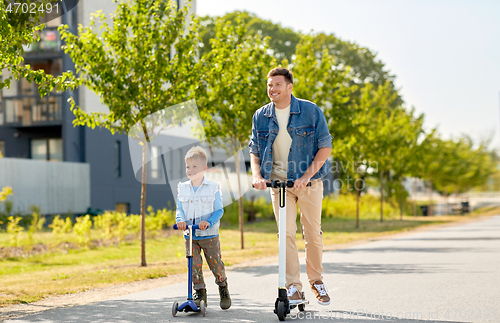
x,y
292,306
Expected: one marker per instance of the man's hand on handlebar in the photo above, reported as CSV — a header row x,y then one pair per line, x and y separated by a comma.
x,y
301,182
259,183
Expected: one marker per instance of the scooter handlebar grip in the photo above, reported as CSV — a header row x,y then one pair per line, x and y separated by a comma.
x,y
291,183
267,184
195,227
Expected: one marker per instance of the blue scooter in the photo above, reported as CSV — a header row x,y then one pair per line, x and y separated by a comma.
x,y
189,305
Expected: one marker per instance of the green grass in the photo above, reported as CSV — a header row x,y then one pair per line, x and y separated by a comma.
x,y
28,279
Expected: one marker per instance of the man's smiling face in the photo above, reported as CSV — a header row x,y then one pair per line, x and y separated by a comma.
x,y
278,90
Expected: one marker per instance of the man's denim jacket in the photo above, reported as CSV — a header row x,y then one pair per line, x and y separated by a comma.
x,y
309,132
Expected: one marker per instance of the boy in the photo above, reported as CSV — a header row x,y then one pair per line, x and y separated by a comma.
x,y
199,201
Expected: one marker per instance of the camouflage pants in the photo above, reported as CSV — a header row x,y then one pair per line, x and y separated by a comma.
x,y
211,249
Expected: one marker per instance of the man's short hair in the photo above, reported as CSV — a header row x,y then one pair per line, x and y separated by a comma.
x,y
196,152
282,71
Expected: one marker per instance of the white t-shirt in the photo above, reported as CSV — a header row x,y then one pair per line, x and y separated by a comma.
x,y
281,145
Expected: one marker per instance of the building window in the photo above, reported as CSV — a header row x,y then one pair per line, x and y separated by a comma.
x,y
47,149
22,105
118,159
122,207
156,162
2,148
55,150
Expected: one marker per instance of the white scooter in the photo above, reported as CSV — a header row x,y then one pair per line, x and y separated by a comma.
x,y
282,306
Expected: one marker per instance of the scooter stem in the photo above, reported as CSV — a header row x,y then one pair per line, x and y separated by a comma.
x,y
282,237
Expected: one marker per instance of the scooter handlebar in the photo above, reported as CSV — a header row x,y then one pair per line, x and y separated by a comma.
x,y
276,184
195,227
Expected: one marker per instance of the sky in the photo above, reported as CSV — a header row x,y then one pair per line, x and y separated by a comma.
x,y
445,54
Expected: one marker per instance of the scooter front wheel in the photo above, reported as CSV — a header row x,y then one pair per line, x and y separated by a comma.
x,y
301,307
175,306
281,311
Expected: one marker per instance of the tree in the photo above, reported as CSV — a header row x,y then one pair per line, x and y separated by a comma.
x,y
20,29
234,74
282,40
407,153
140,63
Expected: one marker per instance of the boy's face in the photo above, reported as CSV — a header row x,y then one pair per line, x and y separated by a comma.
x,y
195,168
277,88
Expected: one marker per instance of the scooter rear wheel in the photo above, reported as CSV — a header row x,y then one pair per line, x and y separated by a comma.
x,y
175,306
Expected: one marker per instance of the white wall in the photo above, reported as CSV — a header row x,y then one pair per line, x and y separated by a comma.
x,y
55,187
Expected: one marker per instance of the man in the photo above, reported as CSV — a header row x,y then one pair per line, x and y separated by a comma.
x,y
290,141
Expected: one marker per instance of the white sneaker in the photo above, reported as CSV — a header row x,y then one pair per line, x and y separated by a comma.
x,y
320,292
294,296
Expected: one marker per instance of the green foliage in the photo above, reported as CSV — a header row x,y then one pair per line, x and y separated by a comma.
x,y
82,229
14,230
129,60
6,191
114,225
60,226
37,221
234,75
159,220
282,40
23,29
345,207
259,208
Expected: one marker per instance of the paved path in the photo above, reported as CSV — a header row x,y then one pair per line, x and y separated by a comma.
x,y
447,275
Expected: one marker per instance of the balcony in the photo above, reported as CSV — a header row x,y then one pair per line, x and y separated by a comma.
x,y
22,106
31,111
50,43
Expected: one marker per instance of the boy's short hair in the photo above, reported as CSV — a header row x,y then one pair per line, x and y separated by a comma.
x,y
196,152
282,71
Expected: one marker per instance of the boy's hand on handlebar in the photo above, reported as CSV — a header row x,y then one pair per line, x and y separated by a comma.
x,y
301,182
181,226
203,225
259,183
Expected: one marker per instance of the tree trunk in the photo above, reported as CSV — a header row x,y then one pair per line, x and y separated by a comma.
x,y
447,203
381,196
401,200
240,201
358,192
415,197
429,208
143,204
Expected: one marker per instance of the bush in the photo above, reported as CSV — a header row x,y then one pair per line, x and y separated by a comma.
x,y
253,209
345,207
82,230
37,222
156,222
60,226
14,230
112,225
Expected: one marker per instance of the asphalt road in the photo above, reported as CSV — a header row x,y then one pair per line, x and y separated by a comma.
x,y
447,275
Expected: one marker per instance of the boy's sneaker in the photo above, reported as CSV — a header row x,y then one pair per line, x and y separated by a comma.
x,y
320,292
200,295
225,299
294,296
